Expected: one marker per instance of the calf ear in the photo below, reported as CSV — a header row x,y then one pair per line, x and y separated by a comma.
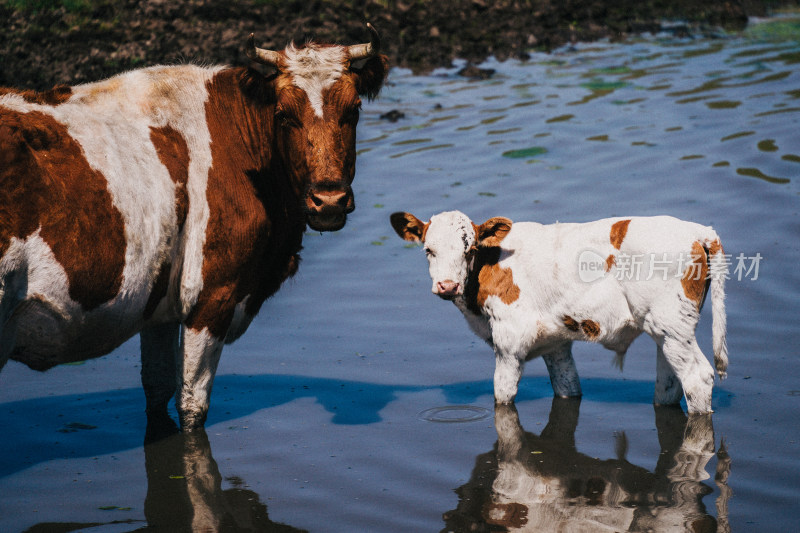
x,y
407,226
369,78
491,232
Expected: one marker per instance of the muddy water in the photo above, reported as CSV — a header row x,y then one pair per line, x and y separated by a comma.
x,y
358,401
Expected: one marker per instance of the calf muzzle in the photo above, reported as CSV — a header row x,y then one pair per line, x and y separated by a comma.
x,y
447,289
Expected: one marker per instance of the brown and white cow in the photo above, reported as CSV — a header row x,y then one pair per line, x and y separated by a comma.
x,y
530,290
171,199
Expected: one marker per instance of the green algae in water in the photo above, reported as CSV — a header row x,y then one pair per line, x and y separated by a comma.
x,y
560,118
724,104
611,70
755,173
768,145
601,85
737,135
533,151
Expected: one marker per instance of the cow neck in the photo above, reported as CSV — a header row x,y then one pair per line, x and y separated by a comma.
x,y
259,221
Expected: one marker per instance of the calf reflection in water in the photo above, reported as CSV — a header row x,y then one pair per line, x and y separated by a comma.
x,y
542,483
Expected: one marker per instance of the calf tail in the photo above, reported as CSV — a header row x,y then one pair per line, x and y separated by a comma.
x,y
718,272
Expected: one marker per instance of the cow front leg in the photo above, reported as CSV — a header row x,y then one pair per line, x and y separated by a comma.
x,y
563,373
159,345
7,324
198,365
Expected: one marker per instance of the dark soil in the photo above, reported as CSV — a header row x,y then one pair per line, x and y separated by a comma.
x,y
82,40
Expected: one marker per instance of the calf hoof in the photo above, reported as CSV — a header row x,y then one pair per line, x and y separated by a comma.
x,y
503,401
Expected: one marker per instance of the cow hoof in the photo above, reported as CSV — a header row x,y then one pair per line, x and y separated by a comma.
x,y
159,426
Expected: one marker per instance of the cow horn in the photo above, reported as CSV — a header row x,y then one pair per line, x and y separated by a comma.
x,y
363,51
261,55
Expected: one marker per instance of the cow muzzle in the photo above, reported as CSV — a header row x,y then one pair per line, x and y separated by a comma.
x,y
447,289
327,210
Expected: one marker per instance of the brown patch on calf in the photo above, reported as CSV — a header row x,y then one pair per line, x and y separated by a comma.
x,y
611,260
590,328
618,231
695,278
47,183
493,280
52,97
255,224
173,152
570,323
487,278
715,247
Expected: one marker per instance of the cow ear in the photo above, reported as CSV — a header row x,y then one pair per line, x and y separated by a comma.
x,y
407,226
491,232
369,77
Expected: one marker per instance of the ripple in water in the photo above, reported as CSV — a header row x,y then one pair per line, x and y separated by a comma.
x,y
449,414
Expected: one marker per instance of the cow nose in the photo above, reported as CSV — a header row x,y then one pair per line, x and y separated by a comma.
x,y
447,288
319,201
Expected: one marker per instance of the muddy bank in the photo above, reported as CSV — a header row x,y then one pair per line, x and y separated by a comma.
x,y
51,41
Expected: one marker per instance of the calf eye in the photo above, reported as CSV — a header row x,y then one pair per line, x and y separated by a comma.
x,y
429,252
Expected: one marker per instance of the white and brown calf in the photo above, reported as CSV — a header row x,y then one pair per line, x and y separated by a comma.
x,y
171,201
530,290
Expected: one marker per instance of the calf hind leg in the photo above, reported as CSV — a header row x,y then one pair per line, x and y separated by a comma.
x,y
563,373
668,385
692,369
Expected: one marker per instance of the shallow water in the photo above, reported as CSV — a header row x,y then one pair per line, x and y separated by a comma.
x,y
358,401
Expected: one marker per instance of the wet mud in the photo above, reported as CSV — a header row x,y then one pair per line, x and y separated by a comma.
x,y
43,43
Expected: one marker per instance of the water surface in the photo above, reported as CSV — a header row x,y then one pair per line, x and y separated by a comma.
x,y
326,415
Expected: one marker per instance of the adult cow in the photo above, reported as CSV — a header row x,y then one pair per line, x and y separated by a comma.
x,y
171,201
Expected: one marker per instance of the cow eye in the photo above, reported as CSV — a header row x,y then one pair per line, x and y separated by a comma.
x,y
286,120
351,115
429,252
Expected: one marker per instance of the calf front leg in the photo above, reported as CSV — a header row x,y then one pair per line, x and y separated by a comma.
x,y
507,373
511,346
198,365
563,373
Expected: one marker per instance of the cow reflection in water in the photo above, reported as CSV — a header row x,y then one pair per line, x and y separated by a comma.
x,y
185,494
542,483
184,491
